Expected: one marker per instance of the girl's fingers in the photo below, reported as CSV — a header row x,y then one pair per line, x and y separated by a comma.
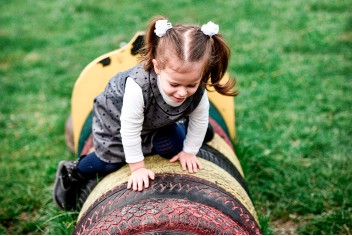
x,y
184,165
146,181
140,180
151,175
129,184
140,184
195,167
190,167
175,158
135,185
199,164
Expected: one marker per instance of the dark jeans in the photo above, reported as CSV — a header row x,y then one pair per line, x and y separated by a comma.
x,y
167,143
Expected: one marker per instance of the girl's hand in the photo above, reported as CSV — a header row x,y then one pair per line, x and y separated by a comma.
x,y
188,161
139,178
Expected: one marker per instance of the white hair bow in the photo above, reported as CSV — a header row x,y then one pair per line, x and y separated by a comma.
x,y
210,29
161,26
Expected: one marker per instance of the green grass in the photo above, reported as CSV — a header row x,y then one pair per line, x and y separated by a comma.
x,y
292,60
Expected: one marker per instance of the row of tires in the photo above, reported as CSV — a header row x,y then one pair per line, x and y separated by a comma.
x,y
215,200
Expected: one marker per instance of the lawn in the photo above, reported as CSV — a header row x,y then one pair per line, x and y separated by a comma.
x,y
292,60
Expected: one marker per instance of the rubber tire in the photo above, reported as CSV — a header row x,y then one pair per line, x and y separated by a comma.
x,y
206,152
173,204
86,189
211,154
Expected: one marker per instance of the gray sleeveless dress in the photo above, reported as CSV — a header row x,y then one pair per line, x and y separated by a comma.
x,y
157,113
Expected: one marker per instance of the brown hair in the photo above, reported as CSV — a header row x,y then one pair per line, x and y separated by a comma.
x,y
190,44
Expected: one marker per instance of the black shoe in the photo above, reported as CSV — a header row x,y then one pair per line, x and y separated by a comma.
x,y
209,135
67,184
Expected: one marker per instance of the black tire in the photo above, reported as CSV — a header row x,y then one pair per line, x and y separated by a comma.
x,y
176,204
210,154
86,189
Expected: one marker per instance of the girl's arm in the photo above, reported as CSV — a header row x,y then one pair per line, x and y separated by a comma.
x,y
197,128
132,118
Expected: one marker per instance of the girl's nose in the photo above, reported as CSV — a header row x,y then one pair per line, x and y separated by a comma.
x,y
182,92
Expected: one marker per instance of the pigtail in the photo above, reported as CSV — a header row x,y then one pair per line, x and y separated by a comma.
x,y
219,60
148,52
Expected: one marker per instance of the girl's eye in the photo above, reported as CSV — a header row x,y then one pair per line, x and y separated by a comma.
x,y
192,85
174,85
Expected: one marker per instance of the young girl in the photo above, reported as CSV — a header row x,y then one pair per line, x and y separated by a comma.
x,y
159,106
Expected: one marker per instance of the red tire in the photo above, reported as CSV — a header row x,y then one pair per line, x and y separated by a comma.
x,y
173,204
165,216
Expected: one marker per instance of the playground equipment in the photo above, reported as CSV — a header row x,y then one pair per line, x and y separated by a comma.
x,y
214,200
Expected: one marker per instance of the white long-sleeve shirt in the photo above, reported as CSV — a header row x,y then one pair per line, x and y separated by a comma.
x,y
132,117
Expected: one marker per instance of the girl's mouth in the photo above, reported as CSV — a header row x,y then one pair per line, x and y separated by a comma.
x,y
178,100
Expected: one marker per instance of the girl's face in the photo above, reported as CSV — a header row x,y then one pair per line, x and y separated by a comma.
x,y
179,81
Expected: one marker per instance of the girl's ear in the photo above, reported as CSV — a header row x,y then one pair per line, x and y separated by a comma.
x,y
156,66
